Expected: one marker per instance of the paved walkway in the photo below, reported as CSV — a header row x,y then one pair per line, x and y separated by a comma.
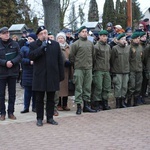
x,y
116,129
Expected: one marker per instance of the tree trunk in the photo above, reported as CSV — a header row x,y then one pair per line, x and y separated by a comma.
x,y
52,15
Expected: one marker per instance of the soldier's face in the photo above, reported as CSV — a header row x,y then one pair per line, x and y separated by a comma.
x,y
43,35
123,41
83,33
103,38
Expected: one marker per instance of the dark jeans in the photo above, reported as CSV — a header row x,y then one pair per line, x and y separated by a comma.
x,y
28,94
11,83
40,104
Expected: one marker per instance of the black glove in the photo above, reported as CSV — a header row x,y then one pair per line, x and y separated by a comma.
x,y
67,63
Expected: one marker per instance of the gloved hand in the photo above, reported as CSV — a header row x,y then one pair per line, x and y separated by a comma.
x,y
67,63
44,44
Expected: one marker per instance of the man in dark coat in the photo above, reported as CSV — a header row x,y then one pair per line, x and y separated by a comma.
x,y
48,71
9,70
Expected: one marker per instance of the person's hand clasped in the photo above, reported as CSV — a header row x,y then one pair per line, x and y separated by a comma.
x,y
9,64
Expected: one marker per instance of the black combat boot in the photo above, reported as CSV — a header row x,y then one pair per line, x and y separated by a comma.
x,y
122,102
117,102
105,105
78,112
96,106
87,107
135,101
129,102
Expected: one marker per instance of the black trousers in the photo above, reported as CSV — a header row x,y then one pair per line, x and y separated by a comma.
x,y
40,104
11,83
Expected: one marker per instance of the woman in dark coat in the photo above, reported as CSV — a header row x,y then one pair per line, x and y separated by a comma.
x,y
27,75
48,71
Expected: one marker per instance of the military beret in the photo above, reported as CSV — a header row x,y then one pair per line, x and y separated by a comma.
x,y
3,29
120,36
142,33
135,35
81,28
103,32
41,28
50,33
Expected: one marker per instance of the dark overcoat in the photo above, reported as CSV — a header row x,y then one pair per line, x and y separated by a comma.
x,y
48,68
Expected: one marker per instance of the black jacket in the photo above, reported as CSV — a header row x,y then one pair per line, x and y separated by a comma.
x,y
48,68
6,48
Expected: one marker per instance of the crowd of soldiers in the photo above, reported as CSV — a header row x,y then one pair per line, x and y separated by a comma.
x,y
116,60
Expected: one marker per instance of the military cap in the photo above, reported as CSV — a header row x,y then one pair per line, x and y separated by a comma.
x,y
81,28
41,28
142,33
103,32
120,36
3,29
135,35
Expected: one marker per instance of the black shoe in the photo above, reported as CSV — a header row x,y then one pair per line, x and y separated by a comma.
x,y
52,121
34,110
24,111
39,122
78,112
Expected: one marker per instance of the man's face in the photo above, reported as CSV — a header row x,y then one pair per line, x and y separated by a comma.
x,y
123,41
108,28
5,35
43,35
83,33
51,37
103,38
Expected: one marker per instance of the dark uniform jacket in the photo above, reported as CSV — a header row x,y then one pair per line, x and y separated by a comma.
x,y
9,50
102,57
120,59
48,68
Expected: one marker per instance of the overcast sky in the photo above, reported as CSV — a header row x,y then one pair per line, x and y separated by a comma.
x,y
37,5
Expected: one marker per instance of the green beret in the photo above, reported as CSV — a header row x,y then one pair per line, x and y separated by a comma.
x,y
142,33
120,36
81,28
50,33
135,35
103,32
